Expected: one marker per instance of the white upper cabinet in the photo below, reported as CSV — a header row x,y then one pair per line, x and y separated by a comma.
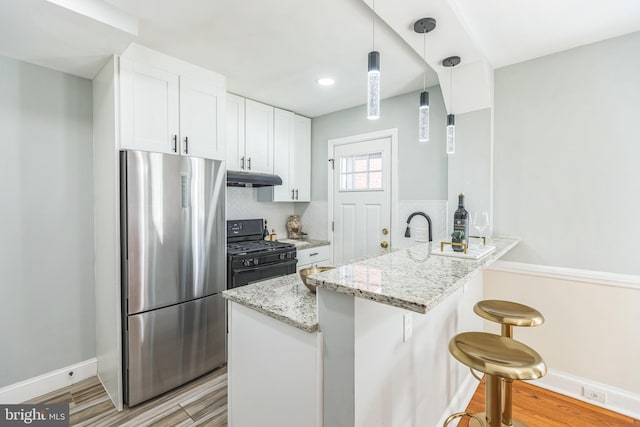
x,y
249,135
149,108
300,172
292,159
258,137
282,157
202,106
170,106
235,132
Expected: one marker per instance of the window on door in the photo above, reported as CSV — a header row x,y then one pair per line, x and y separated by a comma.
x,y
361,172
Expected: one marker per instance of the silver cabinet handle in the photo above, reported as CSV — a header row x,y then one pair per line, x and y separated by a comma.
x,y
296,194
314,254
242,162
186,145
175,143
249,163
292,195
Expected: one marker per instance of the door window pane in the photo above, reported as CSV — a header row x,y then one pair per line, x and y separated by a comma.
x,y
361,173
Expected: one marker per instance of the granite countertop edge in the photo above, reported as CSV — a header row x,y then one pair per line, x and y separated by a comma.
x,y
282,298
421,307
286,299
286,319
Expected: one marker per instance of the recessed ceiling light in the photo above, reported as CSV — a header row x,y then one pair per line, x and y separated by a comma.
x,y
326,81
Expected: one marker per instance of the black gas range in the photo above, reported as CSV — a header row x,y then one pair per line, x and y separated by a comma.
x,y
251,259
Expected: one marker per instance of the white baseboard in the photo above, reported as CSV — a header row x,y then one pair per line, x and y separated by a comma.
x,y
618,400
46,383
461,400
570,274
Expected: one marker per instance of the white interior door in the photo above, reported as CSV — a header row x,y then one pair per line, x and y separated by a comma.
x,y
361,199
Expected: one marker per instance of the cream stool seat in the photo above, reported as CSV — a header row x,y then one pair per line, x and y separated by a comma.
x,y
499,358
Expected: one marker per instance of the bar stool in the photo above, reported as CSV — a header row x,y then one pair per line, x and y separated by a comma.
x,y
508,314
498,357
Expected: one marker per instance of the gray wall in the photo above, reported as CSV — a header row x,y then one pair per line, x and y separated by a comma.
x,y
567,157
469,169
46,221
423,166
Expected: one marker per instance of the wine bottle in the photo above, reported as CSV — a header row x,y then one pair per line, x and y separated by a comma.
x,y
461,219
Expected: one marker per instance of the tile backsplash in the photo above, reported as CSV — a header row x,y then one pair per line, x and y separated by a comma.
x,y
242,203
314,217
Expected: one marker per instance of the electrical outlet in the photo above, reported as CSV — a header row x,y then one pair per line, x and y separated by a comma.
x,y
422,235
594,394
408,327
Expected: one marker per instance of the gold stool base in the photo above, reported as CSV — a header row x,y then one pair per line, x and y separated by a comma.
x,y
480,420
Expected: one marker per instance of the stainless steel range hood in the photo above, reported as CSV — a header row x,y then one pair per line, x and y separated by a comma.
x,y
252,179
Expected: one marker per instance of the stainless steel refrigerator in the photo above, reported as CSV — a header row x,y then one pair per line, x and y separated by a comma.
x,y
173,270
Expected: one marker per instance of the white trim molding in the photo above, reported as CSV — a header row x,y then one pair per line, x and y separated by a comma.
x,y
46,383
571,274
617,400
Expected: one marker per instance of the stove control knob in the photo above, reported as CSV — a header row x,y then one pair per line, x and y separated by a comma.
x,y
255,261
247,262
282,257
289,255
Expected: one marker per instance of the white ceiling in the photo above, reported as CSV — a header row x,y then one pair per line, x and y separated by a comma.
x,y
512,31
274,51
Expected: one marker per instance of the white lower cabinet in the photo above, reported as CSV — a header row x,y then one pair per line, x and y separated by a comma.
x,y
313,257
275,372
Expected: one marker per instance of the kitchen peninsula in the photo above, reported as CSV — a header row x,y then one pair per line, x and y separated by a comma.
x,y
356,355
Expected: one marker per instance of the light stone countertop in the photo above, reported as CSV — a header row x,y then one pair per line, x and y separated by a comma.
x,y
302,244
411,279
284,298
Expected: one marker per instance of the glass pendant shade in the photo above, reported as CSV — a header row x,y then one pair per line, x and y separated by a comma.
x,y
423,117
451,134
373,86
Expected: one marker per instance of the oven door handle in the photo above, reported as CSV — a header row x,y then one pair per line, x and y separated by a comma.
x,y
262,267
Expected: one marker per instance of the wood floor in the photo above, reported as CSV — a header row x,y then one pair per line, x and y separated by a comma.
x,y
538,407
203,402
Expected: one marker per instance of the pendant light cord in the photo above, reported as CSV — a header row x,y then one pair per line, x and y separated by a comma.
x,y
373,25
424,58
451,88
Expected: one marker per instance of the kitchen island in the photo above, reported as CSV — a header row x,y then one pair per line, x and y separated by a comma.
x,y
358,355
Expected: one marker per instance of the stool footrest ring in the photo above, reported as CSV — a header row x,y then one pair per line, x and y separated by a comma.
x,y
476,376
463,414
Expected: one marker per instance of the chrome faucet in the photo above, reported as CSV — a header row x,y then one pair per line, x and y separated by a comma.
x,y
407,232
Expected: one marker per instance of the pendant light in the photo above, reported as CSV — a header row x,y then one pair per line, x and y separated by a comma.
x,y
424,26
451,62
373,74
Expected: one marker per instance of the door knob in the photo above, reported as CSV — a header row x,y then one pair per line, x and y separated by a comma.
x,y
384,244
385,231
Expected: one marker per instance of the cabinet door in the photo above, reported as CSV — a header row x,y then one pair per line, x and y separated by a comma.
x,y
202,106
149,108
258,137
300,177
283,141
235,132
